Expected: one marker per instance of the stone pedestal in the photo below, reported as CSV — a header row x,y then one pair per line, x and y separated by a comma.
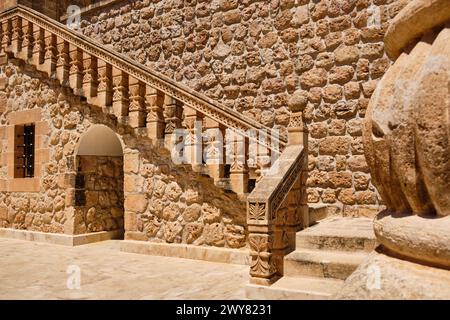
x,y
406,138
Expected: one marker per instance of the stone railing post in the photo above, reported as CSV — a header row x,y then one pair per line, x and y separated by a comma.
x,y
17,33
38,46
239,173
154,103
277,208
193,138
136,114
90,76
121,100
49,65
214,152
104,89
172,115
26,49
76,68
298,135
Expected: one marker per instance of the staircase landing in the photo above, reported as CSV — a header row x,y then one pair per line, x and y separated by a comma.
x,y
326,254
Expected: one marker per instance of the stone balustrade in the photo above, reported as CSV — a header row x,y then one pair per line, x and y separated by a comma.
x,y
234,150
143,99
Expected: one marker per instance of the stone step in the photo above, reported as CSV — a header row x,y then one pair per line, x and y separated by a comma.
x,y
298,288
322,263
342,234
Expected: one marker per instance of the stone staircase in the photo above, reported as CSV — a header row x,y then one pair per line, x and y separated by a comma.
x,y
143,100
326,254
242,153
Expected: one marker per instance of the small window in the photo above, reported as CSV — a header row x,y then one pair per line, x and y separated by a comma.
x,y
80,187
24,151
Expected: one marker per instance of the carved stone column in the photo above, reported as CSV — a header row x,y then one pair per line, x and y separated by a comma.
x,y
17,32
172,116
238,147
121,100
62,63
137,108
104,90
76,69
38,46
214,153
406,140
193,138
49,65
154,102
263,158
90,76
6,35
298,135
26,49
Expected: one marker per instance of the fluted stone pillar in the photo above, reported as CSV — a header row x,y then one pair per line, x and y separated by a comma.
x,y
406,138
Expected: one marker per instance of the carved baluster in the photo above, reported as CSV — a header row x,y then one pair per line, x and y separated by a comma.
x,y
193,139
38,46
6,35
298,135
90,77
17,33
214,153
49,65
27,42
136,115
105,90
237,149
120,93
62,63
263,154
154,100
172,116
76,69
252,150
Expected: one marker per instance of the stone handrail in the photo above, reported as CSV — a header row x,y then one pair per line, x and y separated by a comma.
x,y
277,208
197,101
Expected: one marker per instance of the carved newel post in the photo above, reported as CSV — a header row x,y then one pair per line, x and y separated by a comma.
x,y
277,207
407,145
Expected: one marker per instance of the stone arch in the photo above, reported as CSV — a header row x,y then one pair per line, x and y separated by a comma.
x,y
100,140
99,193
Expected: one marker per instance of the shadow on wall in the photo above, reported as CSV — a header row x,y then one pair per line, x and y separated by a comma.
x,y
163,202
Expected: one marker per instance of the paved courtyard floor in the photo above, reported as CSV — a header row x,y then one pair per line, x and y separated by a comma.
x,y
31,270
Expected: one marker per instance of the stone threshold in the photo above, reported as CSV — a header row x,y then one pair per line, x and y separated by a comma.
x,y
186,251
60,239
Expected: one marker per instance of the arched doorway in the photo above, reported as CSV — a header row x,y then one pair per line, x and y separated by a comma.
x,y
99,196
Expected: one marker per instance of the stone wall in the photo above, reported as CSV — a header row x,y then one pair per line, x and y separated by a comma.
x,y
163,202
253,56
168,203
103,190
43,207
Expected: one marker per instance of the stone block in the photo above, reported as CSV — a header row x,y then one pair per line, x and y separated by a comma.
x,y
131,162
136,202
